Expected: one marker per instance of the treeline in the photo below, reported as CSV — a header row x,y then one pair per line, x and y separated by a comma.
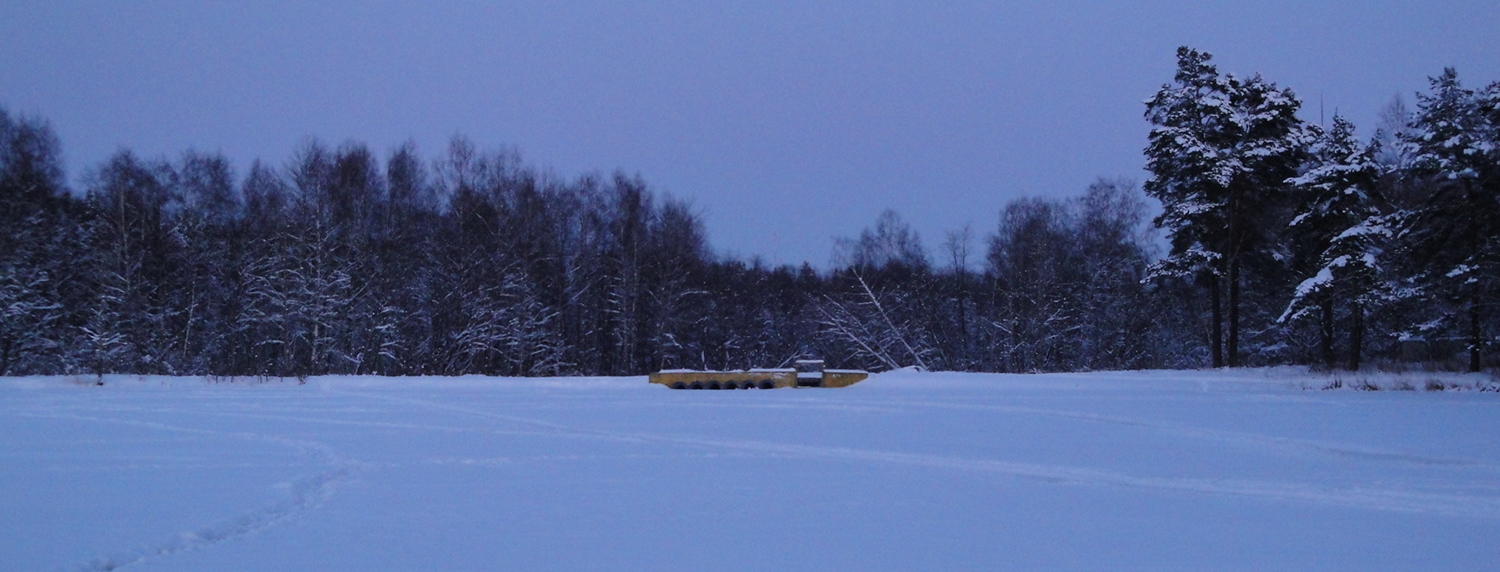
x,y
1288,244
342,262
1312,245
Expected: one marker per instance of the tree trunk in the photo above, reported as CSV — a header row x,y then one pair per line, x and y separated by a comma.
x,y
1216,336
1234,312
1325,331
963,322
1356,334
1475,246
1475,341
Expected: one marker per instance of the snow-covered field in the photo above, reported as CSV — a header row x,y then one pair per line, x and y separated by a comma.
x,y
1250,470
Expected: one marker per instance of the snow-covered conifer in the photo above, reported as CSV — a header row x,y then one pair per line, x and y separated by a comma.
x,y
1453,235
1338,230
1219,153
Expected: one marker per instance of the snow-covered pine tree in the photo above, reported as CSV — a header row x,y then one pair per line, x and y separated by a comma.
x,y
1219,154
1338,231
1181,154
1265,146
1454,233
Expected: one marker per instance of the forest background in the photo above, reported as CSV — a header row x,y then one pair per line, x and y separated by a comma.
x,y
1285,242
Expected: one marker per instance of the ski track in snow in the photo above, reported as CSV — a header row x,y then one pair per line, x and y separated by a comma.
x,y
1369,498
1285,444
309,492
1353,497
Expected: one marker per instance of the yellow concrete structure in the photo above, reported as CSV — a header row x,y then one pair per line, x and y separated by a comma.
x,y
808,373
843,377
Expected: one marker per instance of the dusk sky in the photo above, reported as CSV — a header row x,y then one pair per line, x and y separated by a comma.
x,y
784,123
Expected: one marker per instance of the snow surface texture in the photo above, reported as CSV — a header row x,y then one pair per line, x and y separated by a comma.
x,y
1244,470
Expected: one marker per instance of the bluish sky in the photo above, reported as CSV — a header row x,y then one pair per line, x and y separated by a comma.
x,y
784,123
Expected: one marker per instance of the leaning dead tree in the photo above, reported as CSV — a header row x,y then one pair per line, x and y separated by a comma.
x,y
866,323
